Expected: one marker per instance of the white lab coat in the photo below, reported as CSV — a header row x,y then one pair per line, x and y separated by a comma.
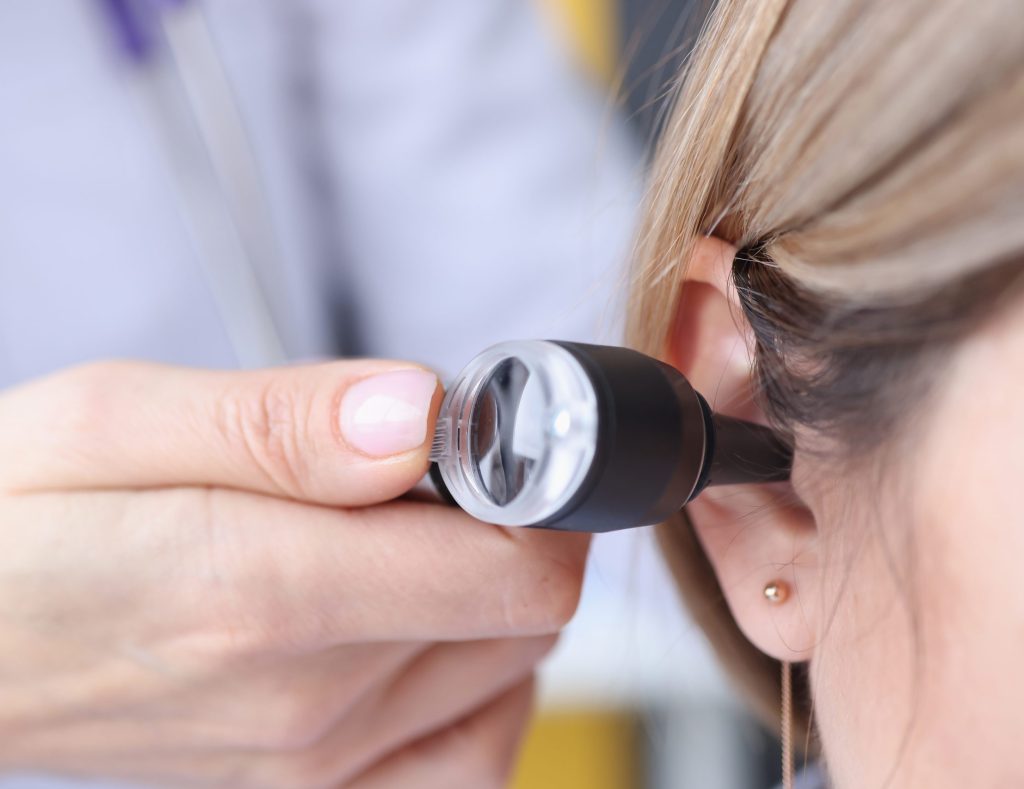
x,y
439,177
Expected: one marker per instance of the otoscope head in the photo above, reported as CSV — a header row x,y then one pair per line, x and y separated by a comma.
x,y
582,437
518,433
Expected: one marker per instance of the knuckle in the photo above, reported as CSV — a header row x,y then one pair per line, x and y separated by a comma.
x,y
294,725
85,392
309,768
562,596
474,763
482,773
97,374
493,777
545,596
292,773
267,426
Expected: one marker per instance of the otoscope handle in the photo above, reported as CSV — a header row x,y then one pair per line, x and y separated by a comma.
x,y
747,453
738,452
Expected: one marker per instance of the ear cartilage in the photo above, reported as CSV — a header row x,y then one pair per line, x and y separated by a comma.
x,y
592,438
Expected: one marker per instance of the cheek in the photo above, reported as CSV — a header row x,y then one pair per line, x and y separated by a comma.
x,y
972,535
917,668
916,676
969,478
863,670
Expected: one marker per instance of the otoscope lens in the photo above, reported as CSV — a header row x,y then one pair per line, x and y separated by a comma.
x,y
521,423
503,462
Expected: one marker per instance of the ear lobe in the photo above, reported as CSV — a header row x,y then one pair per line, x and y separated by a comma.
x,y
753,535
756,536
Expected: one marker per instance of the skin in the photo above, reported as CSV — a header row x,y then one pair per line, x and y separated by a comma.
x,y
202,584
904,573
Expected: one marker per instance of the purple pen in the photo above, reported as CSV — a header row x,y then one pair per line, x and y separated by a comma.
x,y
135,25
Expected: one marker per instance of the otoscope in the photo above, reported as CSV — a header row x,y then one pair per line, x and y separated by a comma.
x,y
577,437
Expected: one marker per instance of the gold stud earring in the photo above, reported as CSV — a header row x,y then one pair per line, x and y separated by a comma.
x,y
776,592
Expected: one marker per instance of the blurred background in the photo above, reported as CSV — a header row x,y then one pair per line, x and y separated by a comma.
x,y
243,183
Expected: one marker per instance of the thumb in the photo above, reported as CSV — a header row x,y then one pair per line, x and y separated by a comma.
x,y
345,433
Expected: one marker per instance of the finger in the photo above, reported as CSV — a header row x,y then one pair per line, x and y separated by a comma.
x,y
479,751
231,575
306,730
343,433
447,683
197,728
304,577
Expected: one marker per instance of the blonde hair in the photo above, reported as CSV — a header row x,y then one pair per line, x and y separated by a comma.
x,y
867,156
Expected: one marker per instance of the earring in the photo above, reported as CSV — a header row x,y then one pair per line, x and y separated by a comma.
x,y
776,592
786,727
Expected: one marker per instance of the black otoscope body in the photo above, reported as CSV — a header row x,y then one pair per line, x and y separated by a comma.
x,y
579,437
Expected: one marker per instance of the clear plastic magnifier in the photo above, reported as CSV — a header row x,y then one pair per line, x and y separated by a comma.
x,y
579,437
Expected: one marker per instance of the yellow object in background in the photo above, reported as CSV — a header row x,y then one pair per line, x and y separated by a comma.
x,y
592,30
581,750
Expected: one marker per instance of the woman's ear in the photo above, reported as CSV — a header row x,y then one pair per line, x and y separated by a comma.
x,y
755,536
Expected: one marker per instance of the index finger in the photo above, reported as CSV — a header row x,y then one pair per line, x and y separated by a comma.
x,y
346,433
401,571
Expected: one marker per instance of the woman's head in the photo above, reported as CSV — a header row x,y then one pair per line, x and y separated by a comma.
x,y
866,160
